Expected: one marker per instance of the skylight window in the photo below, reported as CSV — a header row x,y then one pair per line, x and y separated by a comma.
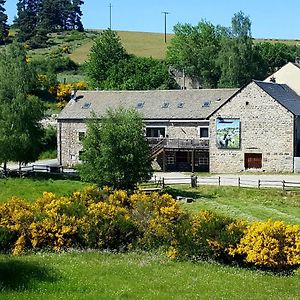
x,y
165,105
180,104
86,105
140,105
206,103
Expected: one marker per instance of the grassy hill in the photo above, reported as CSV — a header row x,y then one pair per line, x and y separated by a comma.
x,y
139,43
145,44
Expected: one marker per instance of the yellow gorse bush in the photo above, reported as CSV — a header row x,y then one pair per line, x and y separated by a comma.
x,y
62,91
270,244
107,219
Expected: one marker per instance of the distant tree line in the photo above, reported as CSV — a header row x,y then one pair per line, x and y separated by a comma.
x,y
36,18
225,57
110,67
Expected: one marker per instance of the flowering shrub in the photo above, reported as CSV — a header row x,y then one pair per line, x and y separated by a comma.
x,y
156,217
108,219
62,91
208,235
270,244
15,217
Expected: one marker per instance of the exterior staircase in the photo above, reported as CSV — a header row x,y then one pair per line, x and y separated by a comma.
x,y
157,148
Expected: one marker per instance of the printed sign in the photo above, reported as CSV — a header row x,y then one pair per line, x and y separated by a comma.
x,y
228,133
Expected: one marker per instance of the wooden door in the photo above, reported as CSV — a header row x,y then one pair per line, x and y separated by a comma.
x,y
253,160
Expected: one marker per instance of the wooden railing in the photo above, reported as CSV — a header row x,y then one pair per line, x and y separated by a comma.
x,y
179,143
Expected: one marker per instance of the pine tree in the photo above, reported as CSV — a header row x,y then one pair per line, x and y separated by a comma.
x,y
26,20
3,23
74,20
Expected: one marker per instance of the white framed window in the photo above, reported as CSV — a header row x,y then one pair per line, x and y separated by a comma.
x,y
156,131
170,159
203,132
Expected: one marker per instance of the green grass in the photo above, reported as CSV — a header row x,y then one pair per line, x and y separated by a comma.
x,y
30,189
245,203
93,275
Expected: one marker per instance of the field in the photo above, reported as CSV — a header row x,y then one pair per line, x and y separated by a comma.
x,y
30,189
93,275
140,275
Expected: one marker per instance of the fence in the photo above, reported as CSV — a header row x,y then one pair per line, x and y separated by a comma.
x,y
195,181
38,169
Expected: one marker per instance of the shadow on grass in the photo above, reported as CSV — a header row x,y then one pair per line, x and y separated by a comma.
x,y
193,193
18,275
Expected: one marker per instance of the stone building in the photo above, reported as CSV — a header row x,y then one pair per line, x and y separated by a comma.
x,y
256,128
176,123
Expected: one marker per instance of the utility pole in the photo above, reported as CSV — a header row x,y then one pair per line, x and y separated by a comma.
x,y
165,13
110,6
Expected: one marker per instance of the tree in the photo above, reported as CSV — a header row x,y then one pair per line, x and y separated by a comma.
x,y
26,19
139,73
3,23
106,51
194,49
237,58
20,111
115,152
74,19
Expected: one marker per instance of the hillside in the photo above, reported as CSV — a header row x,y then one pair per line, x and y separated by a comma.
x,y
138,43
146,44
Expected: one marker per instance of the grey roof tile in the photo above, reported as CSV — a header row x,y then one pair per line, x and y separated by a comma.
x,y
155,104
283,94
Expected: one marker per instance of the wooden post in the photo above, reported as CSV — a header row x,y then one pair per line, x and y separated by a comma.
x,y
163,182
239,182
219,180
193,161
258,183
164,160
283,184
193,181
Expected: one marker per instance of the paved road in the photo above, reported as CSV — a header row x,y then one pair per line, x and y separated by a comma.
x,y
46,162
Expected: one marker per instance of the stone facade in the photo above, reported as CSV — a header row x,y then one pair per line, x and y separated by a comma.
x,y
69,144
266,130
69,132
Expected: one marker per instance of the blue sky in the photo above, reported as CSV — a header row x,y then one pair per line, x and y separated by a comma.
x,y
270,18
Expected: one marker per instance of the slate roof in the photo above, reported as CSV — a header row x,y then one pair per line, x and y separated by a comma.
x,y
283,94
154,105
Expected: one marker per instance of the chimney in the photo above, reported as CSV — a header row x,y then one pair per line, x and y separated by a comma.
x,y
73,94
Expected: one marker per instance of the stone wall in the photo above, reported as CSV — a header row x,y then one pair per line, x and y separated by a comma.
x,y
266,128
69,144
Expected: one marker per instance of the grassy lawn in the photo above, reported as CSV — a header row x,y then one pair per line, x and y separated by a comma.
x,y
245,203
31,189
134,276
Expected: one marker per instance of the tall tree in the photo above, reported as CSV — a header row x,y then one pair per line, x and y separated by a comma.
x,y
237,58
26,19
3,23
139,73
74,19
115,150
20,111
193,49
106,51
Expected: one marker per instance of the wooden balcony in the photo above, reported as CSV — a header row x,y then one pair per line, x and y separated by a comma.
x,y
188,144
